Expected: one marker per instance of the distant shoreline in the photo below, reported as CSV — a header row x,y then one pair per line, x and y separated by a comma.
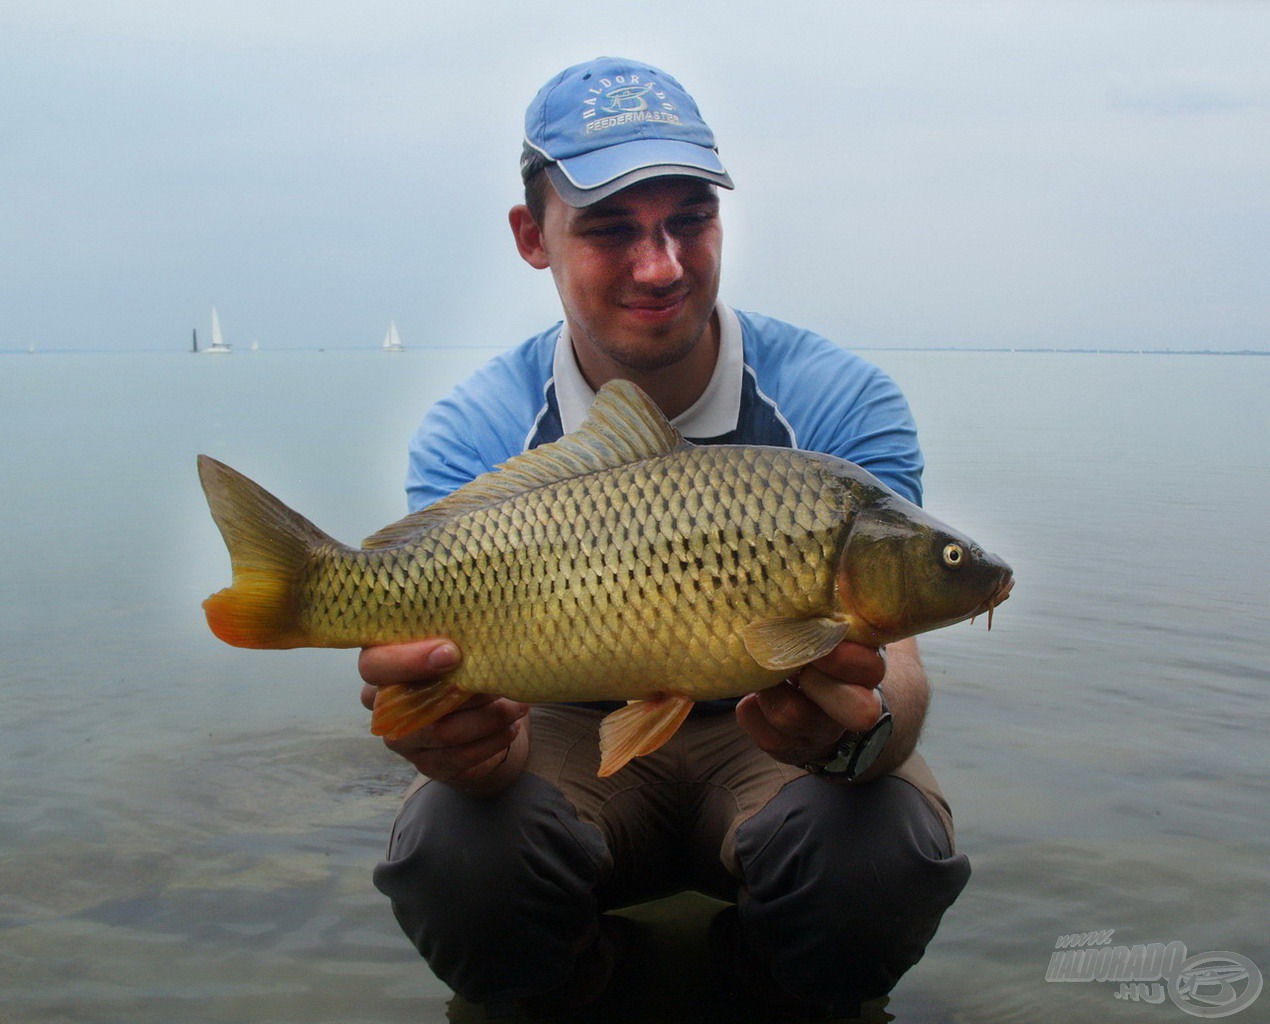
x,y
1018,349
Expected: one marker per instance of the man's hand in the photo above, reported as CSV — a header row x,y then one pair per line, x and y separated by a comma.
x,y
802,721
480,747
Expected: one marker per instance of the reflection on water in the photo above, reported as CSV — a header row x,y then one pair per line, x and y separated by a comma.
x,y
669,976
230,885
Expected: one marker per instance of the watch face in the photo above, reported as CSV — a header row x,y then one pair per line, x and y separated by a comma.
x,y
872,744
858,751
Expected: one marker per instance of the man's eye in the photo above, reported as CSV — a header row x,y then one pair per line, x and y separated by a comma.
x,y
691,223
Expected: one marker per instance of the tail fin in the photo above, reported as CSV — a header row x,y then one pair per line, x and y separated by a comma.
x,y
268,546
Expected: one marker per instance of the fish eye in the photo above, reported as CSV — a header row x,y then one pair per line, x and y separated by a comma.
x,y
954,556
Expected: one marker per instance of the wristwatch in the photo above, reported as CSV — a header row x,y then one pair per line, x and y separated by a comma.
x,y
857,751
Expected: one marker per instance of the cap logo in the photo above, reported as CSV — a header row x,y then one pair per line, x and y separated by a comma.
x,y
625,99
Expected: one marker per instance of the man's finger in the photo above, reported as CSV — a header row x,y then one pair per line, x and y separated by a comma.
x,y
853,663
854,708
789,712
408,664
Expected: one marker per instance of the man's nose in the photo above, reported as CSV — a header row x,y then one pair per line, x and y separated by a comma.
x,y
657,260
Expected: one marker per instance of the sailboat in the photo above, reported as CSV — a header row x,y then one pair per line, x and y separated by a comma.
x,y
392,340
218,343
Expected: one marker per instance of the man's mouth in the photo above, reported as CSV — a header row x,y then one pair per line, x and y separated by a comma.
x,y
656,309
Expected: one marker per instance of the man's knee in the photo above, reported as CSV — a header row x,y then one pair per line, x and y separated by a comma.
x,y
851,842
505,881
846,885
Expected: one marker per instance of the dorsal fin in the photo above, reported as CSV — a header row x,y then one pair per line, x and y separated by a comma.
x,y
623,426
409,527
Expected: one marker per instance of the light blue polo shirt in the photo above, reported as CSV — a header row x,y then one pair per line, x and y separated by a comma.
x,y
773,384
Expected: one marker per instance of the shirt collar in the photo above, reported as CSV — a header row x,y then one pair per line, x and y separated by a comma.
x,y
714,413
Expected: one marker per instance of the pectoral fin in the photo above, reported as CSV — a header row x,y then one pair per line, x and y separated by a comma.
x,y
639,728
787,643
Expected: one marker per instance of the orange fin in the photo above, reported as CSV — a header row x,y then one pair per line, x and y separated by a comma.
x,y
269,546
638,729
403,709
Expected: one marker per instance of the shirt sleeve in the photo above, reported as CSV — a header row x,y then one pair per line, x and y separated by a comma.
x,y
841,404
480,424
876,431
441,458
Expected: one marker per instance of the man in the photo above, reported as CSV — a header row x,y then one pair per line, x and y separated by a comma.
x,y
805,803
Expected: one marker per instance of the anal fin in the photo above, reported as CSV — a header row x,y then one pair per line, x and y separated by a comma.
x,y
400,710
638,729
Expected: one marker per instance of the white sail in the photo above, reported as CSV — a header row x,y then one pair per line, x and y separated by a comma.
x,y
218,342
392,340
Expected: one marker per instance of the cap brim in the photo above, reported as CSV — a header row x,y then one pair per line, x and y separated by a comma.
x,y
590,177
579,197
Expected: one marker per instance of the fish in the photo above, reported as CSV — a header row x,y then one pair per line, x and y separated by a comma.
x,y
619,563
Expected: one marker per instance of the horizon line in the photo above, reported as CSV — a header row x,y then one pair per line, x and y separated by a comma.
x,y
1023,349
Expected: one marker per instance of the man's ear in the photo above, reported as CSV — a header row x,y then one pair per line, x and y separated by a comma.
x,y
528,235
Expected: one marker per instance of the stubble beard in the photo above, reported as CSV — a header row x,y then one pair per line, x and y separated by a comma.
x,y
653,350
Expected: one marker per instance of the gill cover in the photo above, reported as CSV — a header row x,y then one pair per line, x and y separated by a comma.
x,y
903,571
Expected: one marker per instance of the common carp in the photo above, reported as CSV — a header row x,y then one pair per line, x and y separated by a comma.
x,y
618,563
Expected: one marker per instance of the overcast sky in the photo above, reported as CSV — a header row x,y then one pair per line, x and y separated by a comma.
x,y
1065,173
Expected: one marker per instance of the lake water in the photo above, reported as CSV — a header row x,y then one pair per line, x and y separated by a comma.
x,y
187,830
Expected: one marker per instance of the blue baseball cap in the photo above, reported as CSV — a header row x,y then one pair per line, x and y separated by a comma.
x,y
600,126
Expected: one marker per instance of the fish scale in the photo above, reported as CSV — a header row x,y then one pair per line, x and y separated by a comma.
x,y
533,591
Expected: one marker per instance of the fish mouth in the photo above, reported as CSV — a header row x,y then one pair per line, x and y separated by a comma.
x,y
1001,594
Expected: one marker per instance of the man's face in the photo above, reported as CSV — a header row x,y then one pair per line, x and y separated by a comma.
x,y
638,272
